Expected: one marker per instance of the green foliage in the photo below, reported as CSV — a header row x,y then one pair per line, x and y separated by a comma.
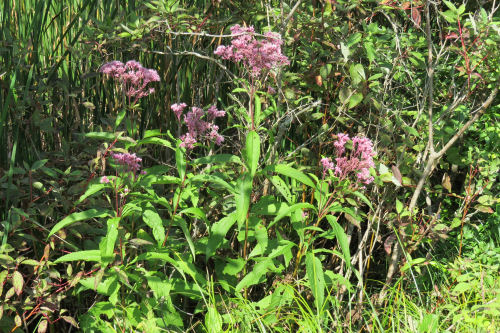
x,y
253,235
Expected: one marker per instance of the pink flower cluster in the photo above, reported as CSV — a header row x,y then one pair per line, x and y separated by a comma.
x,y
133,77
359,161
198,127
130,161
257,55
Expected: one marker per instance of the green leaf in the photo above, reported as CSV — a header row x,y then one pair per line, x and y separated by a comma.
x,y
91,190
252,278
106,136
252,152
195,212
461,288
17,282
154,221
182,223
80,216
119,118
363,198
38,164
450,5
262,241
282,187
155,141
370,51
345,51
107,251
215,179
288,171
87,255
213,320
355,100
257,111
243,193
290,210
341,239
268,205
357,73
218,159
180,160
218,233
399,206
314,271
160,287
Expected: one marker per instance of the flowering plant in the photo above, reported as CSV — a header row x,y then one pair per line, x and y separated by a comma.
x,y
358,162
259,58
199,128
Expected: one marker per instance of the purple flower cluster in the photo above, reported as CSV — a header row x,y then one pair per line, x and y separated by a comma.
x,y
133,77
130,161
257,55
359,161
198,127
178,108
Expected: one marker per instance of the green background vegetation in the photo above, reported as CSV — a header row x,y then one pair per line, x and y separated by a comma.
x,y
417,250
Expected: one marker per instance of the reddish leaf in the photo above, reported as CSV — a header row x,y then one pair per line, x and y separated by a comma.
x,y
42,327
17,282
70,320
319,80
446,182
388,244
397,174
415,15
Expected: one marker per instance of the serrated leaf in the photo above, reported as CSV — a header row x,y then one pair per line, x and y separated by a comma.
x,y
252,278
218,159
213,179
282,187
289,210
252,150
87,255
91,190
38,164
461,288
262,241
291,172
155,141
218,233
119,118
244,191
154,221
341,239
160,287
257,110
107,252
180,161
183,225
314,271
79,216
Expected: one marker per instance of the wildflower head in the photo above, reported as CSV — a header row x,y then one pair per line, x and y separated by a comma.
x,y
358,162
200,124
133,77
327,164
130,161
257,56
177,108
104,180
